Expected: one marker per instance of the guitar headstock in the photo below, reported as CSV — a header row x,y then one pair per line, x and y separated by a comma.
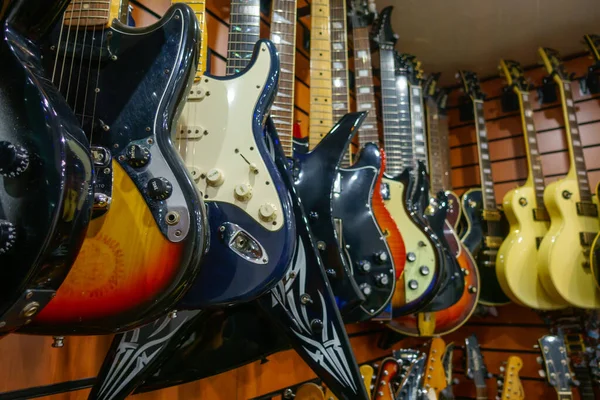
x,y
514,75
413,366
436,374
387,372
556,363
309,391
512,389
447,361
382,32
415,72
368,375
553,64
362,13
471,85
593,43
430,86
475,368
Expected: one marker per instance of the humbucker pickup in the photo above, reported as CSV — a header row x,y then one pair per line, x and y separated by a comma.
x,y
493,242
586,238
491,215
587,209
540,214
190,132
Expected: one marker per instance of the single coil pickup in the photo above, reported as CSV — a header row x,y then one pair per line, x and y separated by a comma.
x,y
493,242
586,238
491,215
587,209
540,214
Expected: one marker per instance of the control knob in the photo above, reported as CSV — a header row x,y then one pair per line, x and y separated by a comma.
x,y
14,159
137,156
366,289
159,188
267,212
215,177
364,266
8,236
243,192
381,257
382,280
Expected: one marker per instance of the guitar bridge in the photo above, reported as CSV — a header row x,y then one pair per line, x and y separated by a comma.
x,y
587,209
540,214
586,238
491,215
493,242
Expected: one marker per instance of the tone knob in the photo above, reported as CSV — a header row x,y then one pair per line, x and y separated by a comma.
x,y
159,188
364,266
243,192
381,257
137,156
366,289
8,236
215,177
383,280
267,212
14,159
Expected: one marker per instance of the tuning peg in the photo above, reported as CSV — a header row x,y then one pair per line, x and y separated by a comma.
x,y
502,369
536,346
575,382
499,382
489,375
454,381
539,360
542,373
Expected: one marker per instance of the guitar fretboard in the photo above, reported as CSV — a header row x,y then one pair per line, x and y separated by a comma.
x,y
86,13
321,111
363,78
283,34
244,32
577,163
439,148
405,136
418,123
339,64
534,159
391,120
199,8
485,165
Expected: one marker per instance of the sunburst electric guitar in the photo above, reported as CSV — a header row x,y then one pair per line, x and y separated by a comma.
x,y
486,224
525,212
564,253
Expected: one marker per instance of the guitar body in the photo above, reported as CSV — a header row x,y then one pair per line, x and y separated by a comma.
x,y
372,264
46,198
474,240
142,254
420,247
560,255
231,141
454,213
322,162
517,257
595,252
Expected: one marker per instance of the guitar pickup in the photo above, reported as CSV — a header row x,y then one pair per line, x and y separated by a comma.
x,y
540,214
586,238
587,209
493,242
196,93
491,215
191,132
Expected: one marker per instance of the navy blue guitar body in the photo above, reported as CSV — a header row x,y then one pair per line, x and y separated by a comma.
x,y
46,170
371,261
314,174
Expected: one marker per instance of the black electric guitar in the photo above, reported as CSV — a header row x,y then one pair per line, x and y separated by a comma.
x,y
475,367
46,170
486,224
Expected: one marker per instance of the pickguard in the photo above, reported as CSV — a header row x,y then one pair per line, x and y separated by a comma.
x,y
215,137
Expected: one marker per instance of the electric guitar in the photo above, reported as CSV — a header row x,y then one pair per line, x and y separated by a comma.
x,y
564,253
147,237
46,169
354,189
447,392
368,374
420,280
388,370
510,386
593,43
525,212
486,224
475,367
326,149
556,365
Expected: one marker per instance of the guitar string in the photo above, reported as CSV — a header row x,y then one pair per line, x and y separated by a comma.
x,y
62,67
79,77
97,86
74,47
62,25
88,78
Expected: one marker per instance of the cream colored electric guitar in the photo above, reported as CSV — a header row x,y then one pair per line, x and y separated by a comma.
x,y
563,256
525,211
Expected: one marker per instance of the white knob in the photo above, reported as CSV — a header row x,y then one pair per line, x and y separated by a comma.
x,y
267,213
215,177
253,168
243,192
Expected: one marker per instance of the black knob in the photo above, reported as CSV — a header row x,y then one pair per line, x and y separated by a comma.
x,y
159,188
137,156
383,280
8,236
364,266
381,257
14,159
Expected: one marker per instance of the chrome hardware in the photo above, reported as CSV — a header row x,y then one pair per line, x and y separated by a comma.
x,y
305,299
27,306
523,201
364,266
366,289
243,244
411,257
566,194
385,191
413,284
424,270
58,341
383,280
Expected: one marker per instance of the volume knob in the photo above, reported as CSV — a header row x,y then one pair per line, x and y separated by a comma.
x,y
137,156
8,236
243,192
14,159
159,188
267,212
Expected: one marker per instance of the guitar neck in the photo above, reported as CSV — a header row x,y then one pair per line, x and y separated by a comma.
x,y
321,110
392,141
80,14
404,121
534,160
439,148
199,8
339,64
363,78
244,32
283,34
485,165
417,117
577,168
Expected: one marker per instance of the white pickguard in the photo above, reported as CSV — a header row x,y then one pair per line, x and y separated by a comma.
x,y
215,132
